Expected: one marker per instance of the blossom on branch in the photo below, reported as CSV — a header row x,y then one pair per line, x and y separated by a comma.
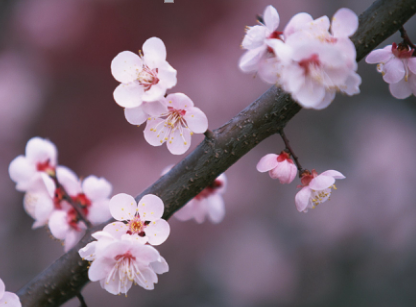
x,y
8,299
316,189
177,121
279,167
143,77
398,68
208,203
143,219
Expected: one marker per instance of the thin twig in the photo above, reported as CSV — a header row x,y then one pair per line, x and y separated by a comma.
x,y
406,38
290,150
81,300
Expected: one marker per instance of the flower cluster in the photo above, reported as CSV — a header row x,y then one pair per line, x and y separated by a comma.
x,y
310,59
144,81
8,298
55,196
122,255
397,65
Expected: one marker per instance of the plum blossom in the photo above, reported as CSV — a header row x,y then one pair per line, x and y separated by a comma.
x,y
144,218
143,77
8,298
208,203
398,68
316,189
33,170
279,167
316,63
119,263
260,56
175,125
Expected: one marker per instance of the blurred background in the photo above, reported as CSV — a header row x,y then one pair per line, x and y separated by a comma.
x,y
358,249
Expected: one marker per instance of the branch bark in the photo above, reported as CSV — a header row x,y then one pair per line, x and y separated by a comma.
x,y
264,117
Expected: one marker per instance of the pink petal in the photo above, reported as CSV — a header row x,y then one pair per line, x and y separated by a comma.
x,y
302,199
2,288
411,63
125,66
394,71
41,150
69,180
157,232
334,174
179,142
10,299
352,84
155,92
344,23
267,163
310,95
144,254
116,229
155,108
147,280
123,207
58,224
412,83
160,266
96,188
72,238
135,116
156,131
186,212
167,75
99,211
254,37
379,56
296,23
49,184
100,268
154,51
216,208
151,207
21,170
43,209
250,60
271,18
401,89
200,210
179,101
88,252
284,171
321,182
223,180
196,120
129,95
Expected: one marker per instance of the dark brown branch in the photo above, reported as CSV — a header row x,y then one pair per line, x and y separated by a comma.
x,y
264,117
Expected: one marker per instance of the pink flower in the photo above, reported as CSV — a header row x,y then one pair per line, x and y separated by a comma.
x,y
260,56
315,62
397,67
279,167
175,125
316,189
143,78
120,263
8,298
32,171
144,219
208,202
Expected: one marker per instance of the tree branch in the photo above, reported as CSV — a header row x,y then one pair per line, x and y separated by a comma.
x,y
264,117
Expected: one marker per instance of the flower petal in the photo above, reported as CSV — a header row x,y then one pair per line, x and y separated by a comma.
x,y
321,182
10,299
401,89
216,208
150,208
186,212
179,101
154,51
179,142
21,171
285,171
125,66
160,266
96,188
296,23
344,23
271,18
334,174
156,131
157,232
254,37
123,207
155,108
250,60
135,116
2,288
302,199
58,224
267,163
69,180
394,71
41,150
196,120
411,63
99,211
116,229
129,95
379,56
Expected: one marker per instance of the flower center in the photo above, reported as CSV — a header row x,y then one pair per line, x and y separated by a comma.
x,y
321,196
401,51
46,167
148,77
209,190
135,226
311,64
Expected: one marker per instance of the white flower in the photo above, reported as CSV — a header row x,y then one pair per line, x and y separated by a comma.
x,y
398,67
8,299
144,219
315,62
208,202
143,78
260,56
120,263
316,189
176,124
32,171
279,167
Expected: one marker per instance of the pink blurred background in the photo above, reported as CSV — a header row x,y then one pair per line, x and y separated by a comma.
x,y
358,249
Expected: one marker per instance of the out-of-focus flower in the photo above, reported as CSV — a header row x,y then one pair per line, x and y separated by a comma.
x,y
176,124
317,63
144,219
397,67
143,77
8,298
260,56
316,189
32,171
279,167
208,202
122,262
